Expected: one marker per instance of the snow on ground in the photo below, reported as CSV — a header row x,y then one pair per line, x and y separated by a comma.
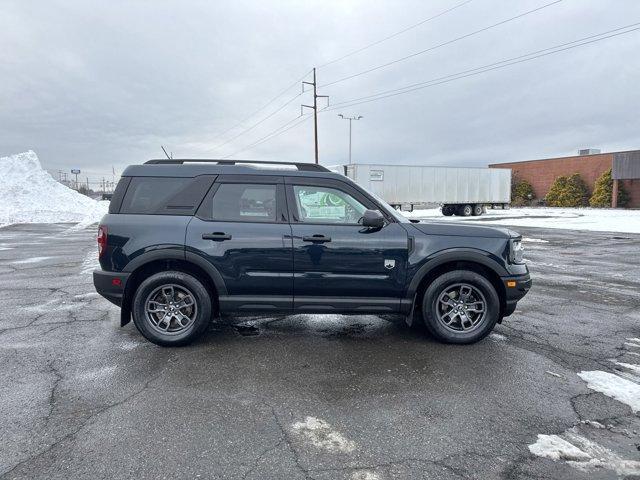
x,y
364,475
557,448
613,386
592,219
322,435
33,260
498,337
629,366
28,194
582,453
573,445
90,262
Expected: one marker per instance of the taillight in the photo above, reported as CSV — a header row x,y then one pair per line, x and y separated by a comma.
x,y
102,240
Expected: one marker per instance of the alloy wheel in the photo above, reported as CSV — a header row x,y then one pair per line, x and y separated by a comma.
x,y
461,307
171,309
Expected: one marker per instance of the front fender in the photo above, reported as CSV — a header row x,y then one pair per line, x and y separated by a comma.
x,y
458,254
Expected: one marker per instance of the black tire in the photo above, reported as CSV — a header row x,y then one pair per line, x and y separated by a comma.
x,y
465,210
181,282
448,210
450,281
477,210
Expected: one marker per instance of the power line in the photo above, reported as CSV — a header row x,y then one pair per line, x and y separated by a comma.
x,y
281,93
489,67
258,122
438,79
400,32
278,131
448,42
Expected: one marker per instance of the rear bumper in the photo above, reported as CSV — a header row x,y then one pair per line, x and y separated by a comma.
x,y
110,285
516,288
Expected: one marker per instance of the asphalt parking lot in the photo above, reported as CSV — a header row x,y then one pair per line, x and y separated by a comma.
x,y
319,397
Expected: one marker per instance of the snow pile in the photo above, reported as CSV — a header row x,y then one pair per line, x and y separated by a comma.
x,y
28,194
592,219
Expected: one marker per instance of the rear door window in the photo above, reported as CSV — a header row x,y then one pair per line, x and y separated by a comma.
x,y
244,202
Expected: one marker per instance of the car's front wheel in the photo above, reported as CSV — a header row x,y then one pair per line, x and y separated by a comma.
x,y
460,307
171,308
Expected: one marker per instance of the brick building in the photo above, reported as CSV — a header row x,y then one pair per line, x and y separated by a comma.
x,y
590,164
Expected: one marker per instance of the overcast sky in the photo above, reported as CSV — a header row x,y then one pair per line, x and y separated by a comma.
x,y
91,84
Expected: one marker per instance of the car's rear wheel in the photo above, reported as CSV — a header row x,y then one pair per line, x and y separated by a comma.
x,y
460,307
171,308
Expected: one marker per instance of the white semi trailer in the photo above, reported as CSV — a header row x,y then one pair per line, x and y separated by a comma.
x,y
458,190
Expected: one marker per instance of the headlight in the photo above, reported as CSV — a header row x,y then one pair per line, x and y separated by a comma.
x,y
517,251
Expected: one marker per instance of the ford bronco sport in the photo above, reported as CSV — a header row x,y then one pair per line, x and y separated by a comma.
x,y
186,240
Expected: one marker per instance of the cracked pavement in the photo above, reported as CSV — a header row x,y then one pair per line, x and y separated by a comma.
x,y
83,398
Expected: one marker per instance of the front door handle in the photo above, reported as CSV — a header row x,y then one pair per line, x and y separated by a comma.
x,y
316,239
216,236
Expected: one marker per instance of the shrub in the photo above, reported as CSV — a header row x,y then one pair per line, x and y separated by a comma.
x,y
603,191
568,191
521,192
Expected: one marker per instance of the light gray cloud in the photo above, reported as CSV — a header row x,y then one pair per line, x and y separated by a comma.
x,y
93,84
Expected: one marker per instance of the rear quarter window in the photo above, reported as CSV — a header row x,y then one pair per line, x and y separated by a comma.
x,y
165,195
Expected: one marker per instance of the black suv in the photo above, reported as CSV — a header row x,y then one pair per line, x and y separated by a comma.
x,y
186,240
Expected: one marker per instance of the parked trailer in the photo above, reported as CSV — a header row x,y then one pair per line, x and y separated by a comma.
x,y
458,190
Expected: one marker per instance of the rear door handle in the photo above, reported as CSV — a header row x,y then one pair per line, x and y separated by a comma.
x,y
316,239
216,236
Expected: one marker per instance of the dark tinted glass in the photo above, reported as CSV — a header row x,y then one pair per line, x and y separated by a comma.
x,y
118,195
245,202
150,194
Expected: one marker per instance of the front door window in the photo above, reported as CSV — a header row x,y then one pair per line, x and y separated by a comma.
x,y
326,205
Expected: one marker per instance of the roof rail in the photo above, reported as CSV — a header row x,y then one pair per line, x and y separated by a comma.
x,y
309,167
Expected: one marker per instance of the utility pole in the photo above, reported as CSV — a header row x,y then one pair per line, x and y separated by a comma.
x,y
351,119
315,109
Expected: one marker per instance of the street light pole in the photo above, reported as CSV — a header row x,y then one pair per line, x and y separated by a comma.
x,y
351,119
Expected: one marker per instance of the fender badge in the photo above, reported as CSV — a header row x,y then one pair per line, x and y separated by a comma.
x,y
389,264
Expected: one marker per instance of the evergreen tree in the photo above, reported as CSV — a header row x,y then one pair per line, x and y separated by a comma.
x,y
603,191
568,191
522,193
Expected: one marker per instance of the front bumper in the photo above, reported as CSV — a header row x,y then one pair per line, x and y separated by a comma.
x,y
516,287
110,285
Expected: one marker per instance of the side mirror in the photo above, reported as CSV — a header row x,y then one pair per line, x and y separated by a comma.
x,y
372,219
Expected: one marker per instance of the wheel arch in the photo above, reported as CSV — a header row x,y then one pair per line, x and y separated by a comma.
x,y
155,262
458,260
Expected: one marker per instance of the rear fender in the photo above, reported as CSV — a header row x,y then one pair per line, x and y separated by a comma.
x,y
166,254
